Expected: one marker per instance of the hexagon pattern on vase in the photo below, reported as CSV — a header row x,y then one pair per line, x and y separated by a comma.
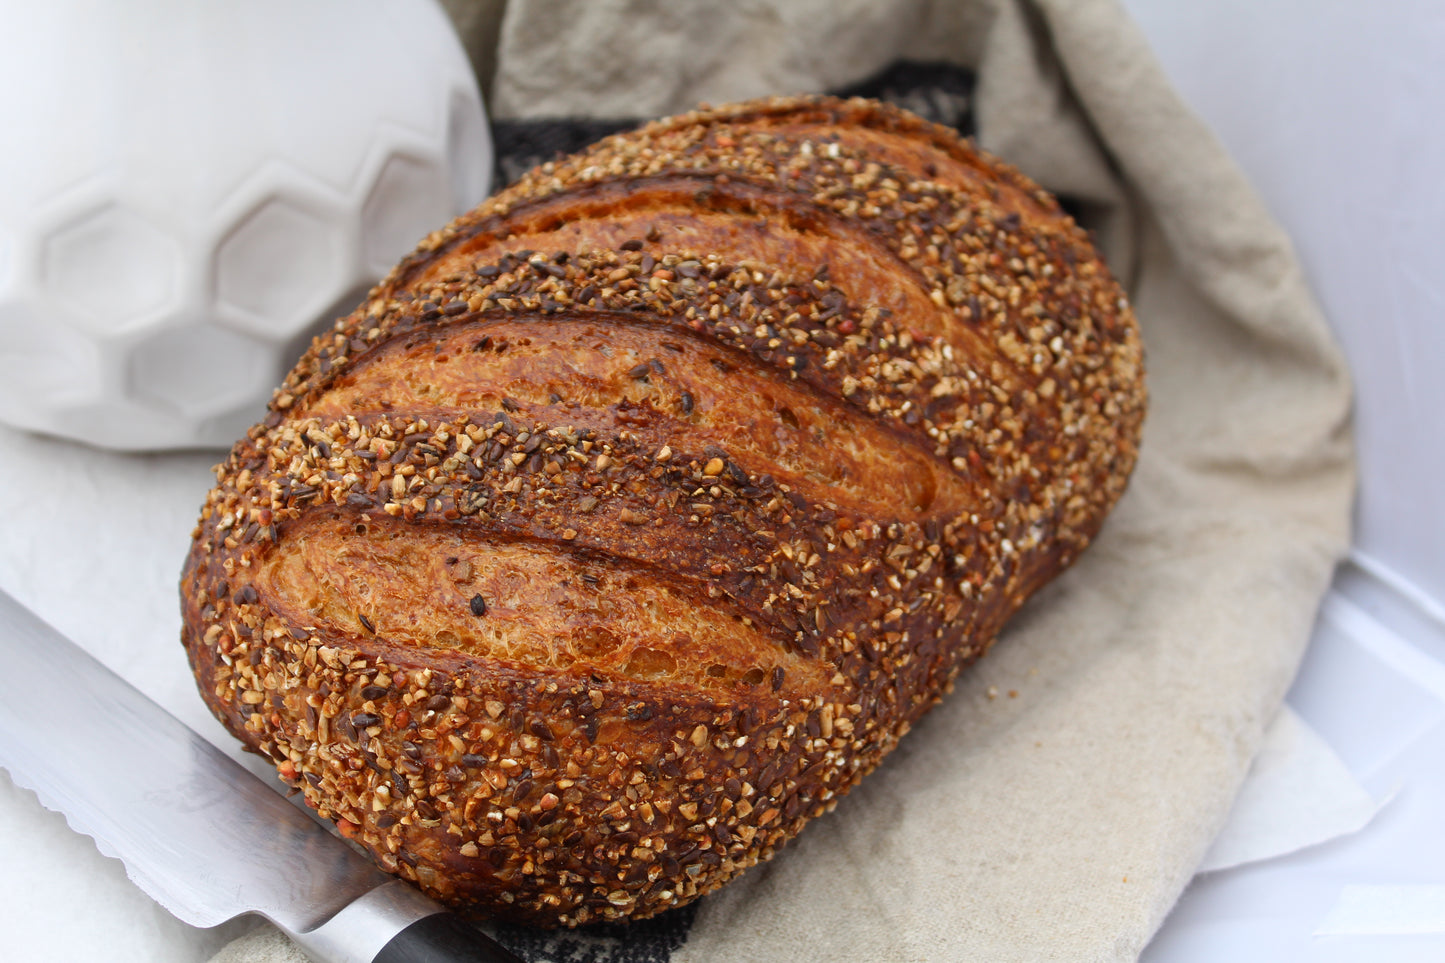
x,y
45,363
200,371
162,263
409,198
112,268
281,265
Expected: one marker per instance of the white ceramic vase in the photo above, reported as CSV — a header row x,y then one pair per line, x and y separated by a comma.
x,y
189,191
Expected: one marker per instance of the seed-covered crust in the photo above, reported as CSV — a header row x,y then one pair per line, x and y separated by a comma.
x,y
638,513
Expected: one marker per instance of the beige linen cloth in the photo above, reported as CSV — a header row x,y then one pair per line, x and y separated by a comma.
x,y
1054,806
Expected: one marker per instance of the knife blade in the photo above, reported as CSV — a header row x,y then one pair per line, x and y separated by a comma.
x,y
200,834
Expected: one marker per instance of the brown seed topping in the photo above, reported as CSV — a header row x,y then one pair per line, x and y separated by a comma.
x,y
1003,363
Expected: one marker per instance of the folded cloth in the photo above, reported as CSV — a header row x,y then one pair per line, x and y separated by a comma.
x,y
1054,806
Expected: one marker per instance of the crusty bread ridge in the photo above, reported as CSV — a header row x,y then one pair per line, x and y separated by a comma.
x,y
639,512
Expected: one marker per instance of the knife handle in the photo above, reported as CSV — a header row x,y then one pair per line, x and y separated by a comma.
x,y
443,938
396,923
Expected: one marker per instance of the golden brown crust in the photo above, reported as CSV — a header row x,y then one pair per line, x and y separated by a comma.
x,y
639,512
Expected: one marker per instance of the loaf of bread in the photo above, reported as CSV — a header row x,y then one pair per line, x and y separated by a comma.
x,y
638,513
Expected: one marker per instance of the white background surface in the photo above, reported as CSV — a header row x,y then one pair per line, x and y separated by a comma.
x,y
93,542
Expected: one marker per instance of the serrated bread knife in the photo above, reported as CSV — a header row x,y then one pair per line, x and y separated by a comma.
x,y
204,837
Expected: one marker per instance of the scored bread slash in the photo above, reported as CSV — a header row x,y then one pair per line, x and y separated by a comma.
x,y
638,513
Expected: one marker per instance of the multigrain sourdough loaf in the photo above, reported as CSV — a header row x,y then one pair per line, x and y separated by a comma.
x,y
639,512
